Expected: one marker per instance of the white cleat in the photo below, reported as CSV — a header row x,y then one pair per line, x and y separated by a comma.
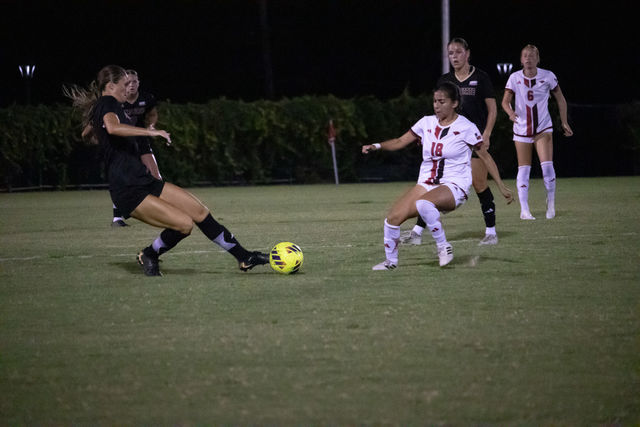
x,y
489,239
445,254
410,238
386,265
527,216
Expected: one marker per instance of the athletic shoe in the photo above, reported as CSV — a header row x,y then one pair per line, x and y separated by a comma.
x,y
410,238
254,258
150,265
386,265
526,215
489,239
551,210
445,254
119,223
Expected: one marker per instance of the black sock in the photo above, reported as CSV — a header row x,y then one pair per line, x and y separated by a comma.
x,y
420,222
167,240
117,213
218,234
488,207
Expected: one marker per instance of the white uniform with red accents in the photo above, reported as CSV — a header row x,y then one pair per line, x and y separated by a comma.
x,y
532,99
446,151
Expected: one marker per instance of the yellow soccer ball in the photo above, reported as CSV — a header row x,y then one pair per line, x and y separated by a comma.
x,y
286,258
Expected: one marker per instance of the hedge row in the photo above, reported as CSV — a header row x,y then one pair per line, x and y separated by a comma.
x,y
227,141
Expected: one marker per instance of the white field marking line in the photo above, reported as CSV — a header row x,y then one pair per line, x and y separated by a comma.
x,y
336,246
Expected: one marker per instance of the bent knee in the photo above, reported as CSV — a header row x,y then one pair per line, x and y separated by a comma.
x,y
185,225
396,218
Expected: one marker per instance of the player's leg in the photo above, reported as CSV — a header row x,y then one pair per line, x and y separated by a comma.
x,y
211,228
413,236
524,151
485,196
429,206
401,210
544,148
118,219
177,225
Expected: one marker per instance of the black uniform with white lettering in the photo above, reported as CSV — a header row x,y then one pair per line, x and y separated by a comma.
x,y
129,180
473,90
137,112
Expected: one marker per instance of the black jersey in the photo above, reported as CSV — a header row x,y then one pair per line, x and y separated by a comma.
x,y
474,90
139,109
121,154
136,112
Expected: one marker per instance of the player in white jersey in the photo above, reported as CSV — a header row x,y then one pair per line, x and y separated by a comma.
x,y
445,173
532,124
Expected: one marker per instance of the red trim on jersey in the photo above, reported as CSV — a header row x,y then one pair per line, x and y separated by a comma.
x,y
437,131
437,170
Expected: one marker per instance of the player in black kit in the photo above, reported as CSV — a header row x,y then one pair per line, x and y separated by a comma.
x,y
479,106
134,189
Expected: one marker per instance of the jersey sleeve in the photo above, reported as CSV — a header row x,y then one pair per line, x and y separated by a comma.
x,y
151,102
103,106
485,86
553,81
473,137
418,128
511,83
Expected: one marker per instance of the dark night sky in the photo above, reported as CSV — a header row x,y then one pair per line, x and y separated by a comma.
x,y
194,50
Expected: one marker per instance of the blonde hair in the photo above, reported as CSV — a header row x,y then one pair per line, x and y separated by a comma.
x,y
84,99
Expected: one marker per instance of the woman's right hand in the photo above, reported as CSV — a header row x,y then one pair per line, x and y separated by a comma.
x,y
164,134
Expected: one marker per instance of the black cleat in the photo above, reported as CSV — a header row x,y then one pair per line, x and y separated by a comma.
x,y
150,265
254,258
119,223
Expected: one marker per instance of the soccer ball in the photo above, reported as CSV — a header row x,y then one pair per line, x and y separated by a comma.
x,y
286,258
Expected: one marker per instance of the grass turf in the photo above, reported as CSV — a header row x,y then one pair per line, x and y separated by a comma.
x,y
543,328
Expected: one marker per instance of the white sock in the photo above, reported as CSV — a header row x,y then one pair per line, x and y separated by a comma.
x,y
490,231
522,180
418,230
391,239
431,215
549,177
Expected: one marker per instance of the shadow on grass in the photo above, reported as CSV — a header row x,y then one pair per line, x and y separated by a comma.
x,y
133,268
470,235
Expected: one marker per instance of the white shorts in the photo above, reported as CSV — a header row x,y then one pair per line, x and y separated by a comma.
x,y
529,139
459,194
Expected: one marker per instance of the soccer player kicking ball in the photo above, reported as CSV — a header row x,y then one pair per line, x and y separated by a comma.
x,y
445,173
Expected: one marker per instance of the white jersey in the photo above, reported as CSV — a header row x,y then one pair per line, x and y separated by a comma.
x,y
446,151
532,99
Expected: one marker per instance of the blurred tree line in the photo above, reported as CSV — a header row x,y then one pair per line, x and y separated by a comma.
x,y
227,142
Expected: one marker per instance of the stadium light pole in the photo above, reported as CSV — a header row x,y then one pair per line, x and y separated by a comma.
x,y
27,72
445,36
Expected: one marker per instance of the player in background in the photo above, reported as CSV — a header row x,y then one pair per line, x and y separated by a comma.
x,y
141,107
132,187
532,124
445,174
479,106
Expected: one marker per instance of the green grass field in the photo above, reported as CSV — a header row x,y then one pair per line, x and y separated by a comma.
x,y
543,329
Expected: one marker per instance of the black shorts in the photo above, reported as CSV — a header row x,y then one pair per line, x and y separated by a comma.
x,y
128,198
